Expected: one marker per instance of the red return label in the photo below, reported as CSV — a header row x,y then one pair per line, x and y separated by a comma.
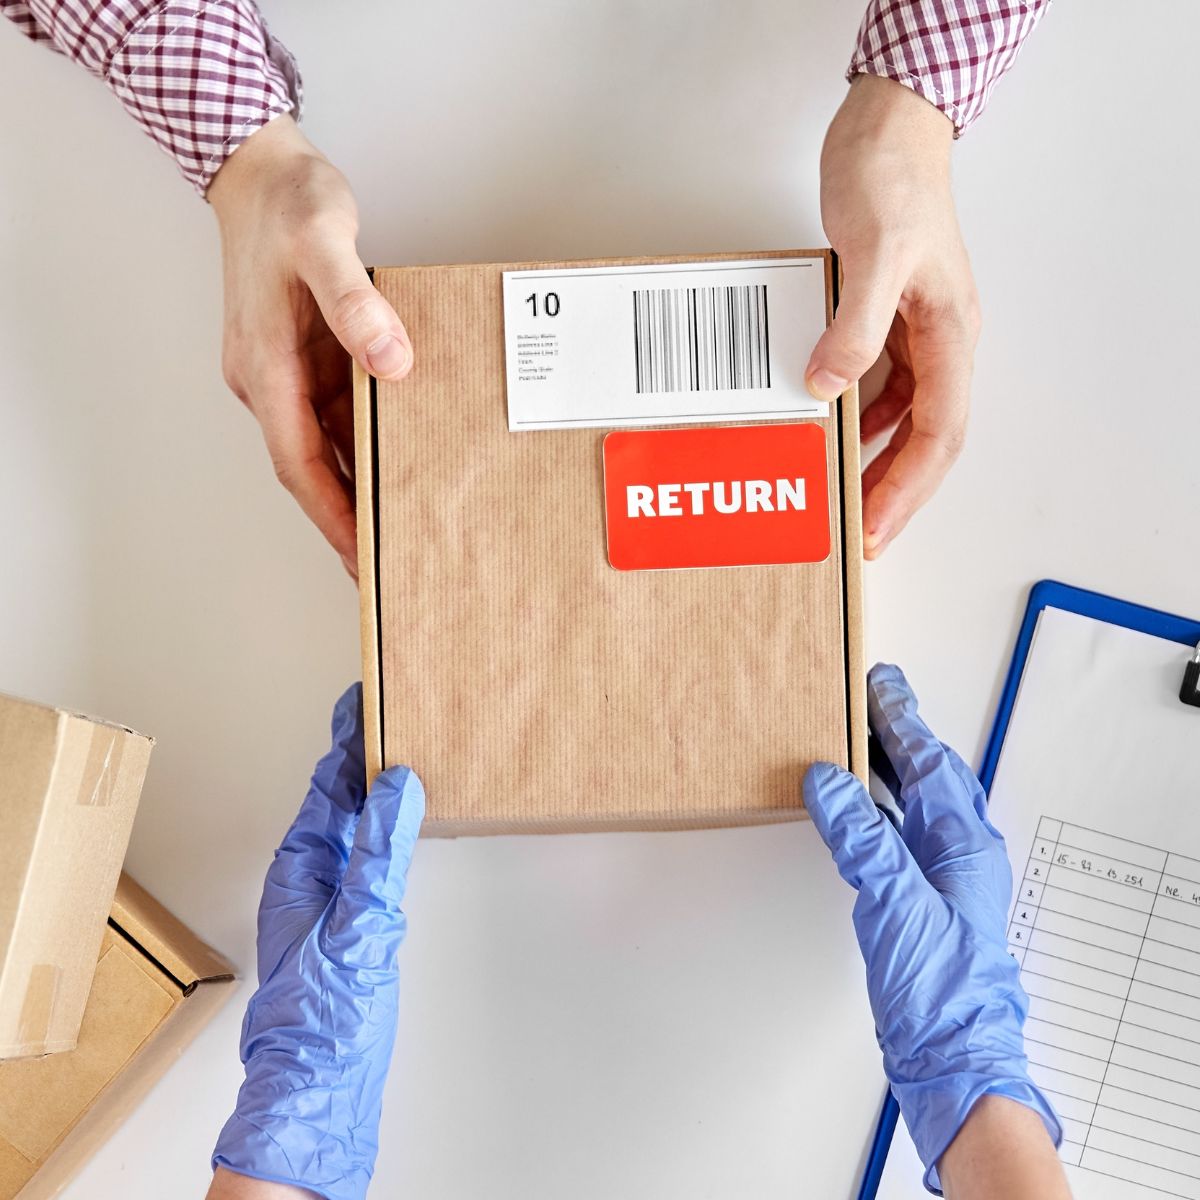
x,y
735,496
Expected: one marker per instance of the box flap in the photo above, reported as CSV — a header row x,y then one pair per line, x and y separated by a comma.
x,y
166,939
124,1093
56,1110
40,1098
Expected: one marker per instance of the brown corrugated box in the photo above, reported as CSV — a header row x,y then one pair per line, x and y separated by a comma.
x,y
69,789
156,985
639,700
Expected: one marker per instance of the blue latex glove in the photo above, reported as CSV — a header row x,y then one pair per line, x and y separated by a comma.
x,y
931,918
317,1037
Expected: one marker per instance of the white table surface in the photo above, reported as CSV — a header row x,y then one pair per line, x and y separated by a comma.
x,y
643,1016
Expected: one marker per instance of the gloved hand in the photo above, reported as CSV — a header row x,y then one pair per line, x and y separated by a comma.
x,y
317,1037
931,919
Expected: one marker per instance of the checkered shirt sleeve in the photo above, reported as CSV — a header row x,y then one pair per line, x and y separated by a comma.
x,y
952,52
199,76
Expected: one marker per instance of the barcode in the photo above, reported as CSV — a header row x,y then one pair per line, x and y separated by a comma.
x,y
701,339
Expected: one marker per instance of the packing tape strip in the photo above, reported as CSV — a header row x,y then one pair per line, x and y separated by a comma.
x,y
102,769
37,1009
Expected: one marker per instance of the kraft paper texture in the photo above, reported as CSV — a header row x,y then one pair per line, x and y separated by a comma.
x,y
530,685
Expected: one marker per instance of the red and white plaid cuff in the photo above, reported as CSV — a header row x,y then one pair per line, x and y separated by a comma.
x,y
952,52
199,76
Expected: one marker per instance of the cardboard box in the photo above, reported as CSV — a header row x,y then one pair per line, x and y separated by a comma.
x,y
156,985
69,789
533,687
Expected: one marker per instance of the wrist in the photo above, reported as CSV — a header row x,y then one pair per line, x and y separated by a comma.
x,y
1004,1148
234,1185
890,106
292,1146
937,1112
271,152
885,115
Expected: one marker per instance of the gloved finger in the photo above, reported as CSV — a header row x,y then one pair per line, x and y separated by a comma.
x,y
986,874
881,765
366,926
922,766
315,850
945,811
970,783
869,852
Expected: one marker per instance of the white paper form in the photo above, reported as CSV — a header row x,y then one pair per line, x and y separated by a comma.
x,y
1098,794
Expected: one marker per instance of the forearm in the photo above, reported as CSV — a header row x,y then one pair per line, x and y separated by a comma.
x,y
953,53
229,1185
199,76
1002,1152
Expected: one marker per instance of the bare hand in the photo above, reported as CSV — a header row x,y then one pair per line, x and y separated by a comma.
x,y
297,302
889,213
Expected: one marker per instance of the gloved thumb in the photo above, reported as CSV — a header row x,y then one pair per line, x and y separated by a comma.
x,y
358,316
845,817
366,924
849,347
867,848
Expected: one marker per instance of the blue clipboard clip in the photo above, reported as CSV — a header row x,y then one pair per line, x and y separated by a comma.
x,y
1046,594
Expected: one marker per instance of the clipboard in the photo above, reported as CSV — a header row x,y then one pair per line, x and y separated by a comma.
x,y
1046,594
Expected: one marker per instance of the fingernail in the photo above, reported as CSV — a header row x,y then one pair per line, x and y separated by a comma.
x,y
351,567
388,356
825,385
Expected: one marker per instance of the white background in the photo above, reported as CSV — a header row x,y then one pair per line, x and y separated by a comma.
x,y
650,1016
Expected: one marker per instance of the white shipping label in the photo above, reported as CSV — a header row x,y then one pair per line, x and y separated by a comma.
x,y
673,343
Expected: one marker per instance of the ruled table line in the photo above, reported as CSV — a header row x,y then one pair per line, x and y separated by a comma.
x,y
1126,1078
